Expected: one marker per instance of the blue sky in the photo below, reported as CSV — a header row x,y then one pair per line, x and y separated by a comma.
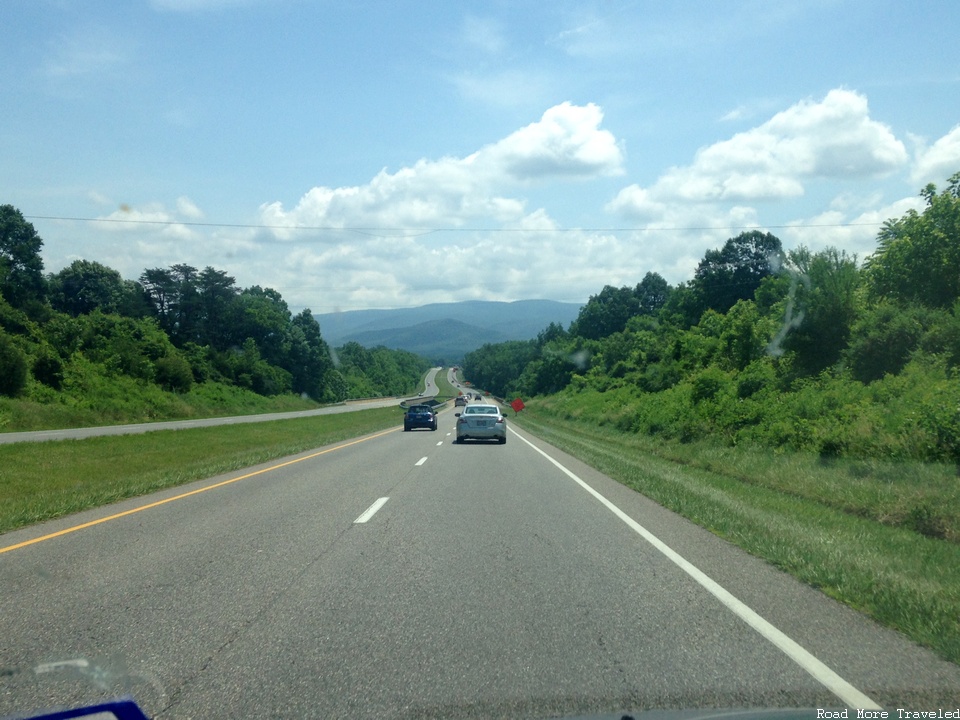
x,y
369,154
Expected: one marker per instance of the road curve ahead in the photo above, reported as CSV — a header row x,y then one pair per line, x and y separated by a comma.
x,y
401,575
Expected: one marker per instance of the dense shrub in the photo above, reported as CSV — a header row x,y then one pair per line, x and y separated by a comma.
x,y
173,373
13,367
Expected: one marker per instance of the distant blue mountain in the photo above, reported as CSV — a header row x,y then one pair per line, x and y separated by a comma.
x,y
445,332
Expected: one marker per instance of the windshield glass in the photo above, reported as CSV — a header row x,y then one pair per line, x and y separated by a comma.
x,y
431,359
482,410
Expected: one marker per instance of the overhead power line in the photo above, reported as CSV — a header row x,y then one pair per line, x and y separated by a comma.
x,y
406,232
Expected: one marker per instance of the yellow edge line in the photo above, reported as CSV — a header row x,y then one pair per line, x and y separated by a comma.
x,y
181,496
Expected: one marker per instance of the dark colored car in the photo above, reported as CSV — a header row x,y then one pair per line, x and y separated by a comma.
x,y
419,416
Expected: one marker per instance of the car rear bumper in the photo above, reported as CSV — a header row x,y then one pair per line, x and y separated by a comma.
x,y
481,433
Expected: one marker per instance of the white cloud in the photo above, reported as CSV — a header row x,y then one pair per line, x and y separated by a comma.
x,y
383,244
153,220
187,208
832,138
566,142
856,234
939,161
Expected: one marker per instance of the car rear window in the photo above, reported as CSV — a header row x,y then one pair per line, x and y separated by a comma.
x,y
477,410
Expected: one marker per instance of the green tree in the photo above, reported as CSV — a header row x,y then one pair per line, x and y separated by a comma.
x,y
743,337
379,371
826,305
918,256
652,294
882,340
217,293
261,314
309,355
21,268
161,289
736,270
173,372
684,306
605,313
85,286
175,297
498,366
13,367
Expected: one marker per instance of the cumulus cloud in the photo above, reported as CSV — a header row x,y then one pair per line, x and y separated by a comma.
x,y
187,208
155,220
567,140
566,143
405,237
939,161
831,138
847,228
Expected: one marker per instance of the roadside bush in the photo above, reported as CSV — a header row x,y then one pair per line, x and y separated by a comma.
x,y
13,367
758,375
708,384
882,340
173,373
48,368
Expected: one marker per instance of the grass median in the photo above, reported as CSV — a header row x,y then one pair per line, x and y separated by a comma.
x,y
785,511
44,480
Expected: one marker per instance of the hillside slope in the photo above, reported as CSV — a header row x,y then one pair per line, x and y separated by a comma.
x,y
445,331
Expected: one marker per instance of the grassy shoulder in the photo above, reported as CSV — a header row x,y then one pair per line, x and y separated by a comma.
x,y
125,400
825,523
41,481
445,391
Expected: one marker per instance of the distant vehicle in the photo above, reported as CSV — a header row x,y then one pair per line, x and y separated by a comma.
x,y
461,400
419,416
481,422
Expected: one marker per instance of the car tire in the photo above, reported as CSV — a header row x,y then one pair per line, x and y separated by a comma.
x,y
406,428
503,440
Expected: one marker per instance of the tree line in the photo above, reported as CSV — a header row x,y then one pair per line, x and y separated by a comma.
x,y
174,326
798,349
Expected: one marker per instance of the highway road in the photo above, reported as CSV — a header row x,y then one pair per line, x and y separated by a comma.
x,y
135,428
401,575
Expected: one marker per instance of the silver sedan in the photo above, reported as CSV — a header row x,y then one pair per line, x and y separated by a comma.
x,y
481,422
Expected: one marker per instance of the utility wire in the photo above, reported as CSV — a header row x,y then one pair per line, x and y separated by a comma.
x,y
405,232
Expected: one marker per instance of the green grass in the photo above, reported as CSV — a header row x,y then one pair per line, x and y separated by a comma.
x,y
445,391
123,401
794,514
40,481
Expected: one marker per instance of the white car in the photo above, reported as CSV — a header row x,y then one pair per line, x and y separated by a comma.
x,y
481,422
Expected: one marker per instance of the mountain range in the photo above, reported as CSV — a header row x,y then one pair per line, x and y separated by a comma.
x,y
445,332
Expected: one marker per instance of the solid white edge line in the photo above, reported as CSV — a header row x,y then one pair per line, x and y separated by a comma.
x,y
371,511
850,696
